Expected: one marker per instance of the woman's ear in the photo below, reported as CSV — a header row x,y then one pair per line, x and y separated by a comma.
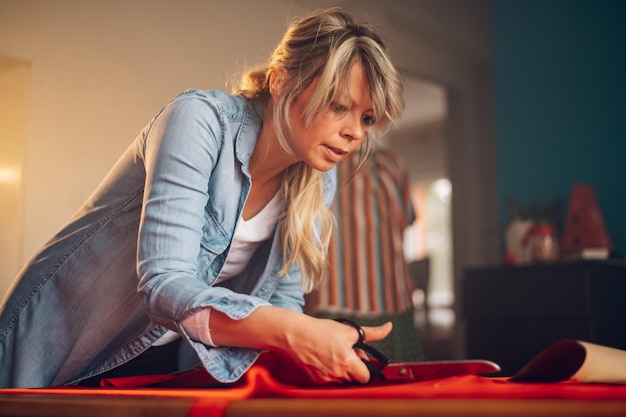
x,y
277,78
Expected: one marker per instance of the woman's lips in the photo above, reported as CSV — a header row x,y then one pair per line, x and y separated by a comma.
x,y
335,154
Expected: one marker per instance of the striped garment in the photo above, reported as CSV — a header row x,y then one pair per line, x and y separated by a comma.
x,y
369,275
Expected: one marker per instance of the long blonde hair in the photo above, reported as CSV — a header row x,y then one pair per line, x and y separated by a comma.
x,y
322,45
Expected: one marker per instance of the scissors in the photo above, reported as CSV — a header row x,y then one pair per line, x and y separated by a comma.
x,y
385,369
376,369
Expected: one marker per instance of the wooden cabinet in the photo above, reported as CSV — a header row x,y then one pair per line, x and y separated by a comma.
x,y
511,313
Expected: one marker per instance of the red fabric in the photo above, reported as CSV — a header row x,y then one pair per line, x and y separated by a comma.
x,y
282,382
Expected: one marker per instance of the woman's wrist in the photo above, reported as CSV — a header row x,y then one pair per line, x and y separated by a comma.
x,y
198,327
266,328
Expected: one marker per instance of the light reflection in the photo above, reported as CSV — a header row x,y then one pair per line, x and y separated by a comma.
x,y
10,175
442,188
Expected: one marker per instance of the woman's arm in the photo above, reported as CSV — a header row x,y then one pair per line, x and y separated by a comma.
x,y
178,234
322,348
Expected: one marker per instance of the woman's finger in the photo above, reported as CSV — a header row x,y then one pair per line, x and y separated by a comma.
x,y
373,334
361,354
360,372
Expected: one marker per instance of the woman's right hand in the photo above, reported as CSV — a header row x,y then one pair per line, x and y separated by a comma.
x,y
322,348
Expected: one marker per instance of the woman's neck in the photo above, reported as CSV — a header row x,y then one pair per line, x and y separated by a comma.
x,y
269,159
267,163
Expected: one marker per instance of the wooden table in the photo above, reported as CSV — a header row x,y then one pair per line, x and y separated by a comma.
x,y
424,408
79,406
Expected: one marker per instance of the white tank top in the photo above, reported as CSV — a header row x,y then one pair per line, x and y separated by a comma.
x,y
249,234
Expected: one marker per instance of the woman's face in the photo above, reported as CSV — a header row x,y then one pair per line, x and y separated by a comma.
x,y
336,131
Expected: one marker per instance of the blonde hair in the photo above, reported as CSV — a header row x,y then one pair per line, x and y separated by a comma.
x,y
323,45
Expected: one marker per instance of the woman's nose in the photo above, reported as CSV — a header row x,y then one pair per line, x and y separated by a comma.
x,y
353,128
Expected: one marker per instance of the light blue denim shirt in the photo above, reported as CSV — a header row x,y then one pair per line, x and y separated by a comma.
x,y
144,251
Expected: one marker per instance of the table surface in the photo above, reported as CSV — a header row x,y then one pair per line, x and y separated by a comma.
x,y
73,406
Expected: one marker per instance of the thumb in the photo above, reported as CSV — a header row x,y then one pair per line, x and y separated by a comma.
x,y
373,334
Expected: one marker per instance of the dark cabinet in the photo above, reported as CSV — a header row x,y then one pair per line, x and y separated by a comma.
x,y
511,313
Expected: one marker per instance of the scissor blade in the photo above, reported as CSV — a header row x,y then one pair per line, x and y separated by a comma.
x,y
419,371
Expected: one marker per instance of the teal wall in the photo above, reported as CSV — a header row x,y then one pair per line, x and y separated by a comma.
x,y
560,90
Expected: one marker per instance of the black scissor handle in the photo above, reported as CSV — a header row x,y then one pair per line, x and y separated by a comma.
x,y
375,369
358,328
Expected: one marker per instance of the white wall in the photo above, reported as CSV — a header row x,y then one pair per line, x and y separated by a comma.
x,y
101,69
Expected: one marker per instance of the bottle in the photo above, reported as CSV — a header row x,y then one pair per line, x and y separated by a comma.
x,y
542,243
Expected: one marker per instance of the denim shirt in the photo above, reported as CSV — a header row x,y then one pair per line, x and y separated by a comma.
x,y
144,251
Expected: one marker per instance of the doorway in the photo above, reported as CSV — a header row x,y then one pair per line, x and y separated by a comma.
x,y
420,140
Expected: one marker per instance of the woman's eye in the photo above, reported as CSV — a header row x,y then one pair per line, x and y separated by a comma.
x,y
369,120
338,108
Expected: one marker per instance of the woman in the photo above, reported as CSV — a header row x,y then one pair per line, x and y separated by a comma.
x,y
210,226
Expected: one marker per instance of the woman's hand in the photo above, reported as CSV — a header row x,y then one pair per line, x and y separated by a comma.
x,y
326,353
322,348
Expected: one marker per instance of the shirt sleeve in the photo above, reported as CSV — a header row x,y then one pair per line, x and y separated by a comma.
x,y
180,150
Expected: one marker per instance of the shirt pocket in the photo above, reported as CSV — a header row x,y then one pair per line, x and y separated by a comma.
x,y
213,245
